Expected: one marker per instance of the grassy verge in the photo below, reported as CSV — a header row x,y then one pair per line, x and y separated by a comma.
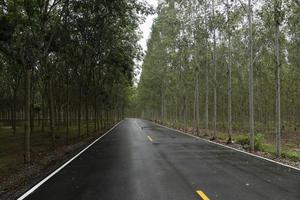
x,y
264,142
262,145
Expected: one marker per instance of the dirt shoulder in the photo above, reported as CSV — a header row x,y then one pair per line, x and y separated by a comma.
x,y
16,182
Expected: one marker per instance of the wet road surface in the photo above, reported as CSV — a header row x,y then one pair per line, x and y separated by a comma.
x,y
138,160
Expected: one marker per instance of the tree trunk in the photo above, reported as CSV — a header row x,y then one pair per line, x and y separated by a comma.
x,y
32,114
278,79
79,112
43,114
106,125
162,117
229,77
215,75
101,118
86,114
251,104
95,104
206,73
197,102
27,115
51,112
14,110
68,111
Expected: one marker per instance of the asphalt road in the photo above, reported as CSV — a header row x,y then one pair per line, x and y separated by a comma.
x,y
138,160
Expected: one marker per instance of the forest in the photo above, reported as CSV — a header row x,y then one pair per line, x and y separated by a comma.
x,y
227,69
66,72
224,70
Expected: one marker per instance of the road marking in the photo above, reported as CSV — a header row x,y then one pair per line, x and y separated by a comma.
x,y
150,138
202,195
212,142
65,164
137,124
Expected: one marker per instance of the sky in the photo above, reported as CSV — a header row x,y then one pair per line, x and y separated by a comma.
x,y
145,28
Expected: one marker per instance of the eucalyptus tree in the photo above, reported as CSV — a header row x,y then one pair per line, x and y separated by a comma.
x,y
251,91
215,70
278,18
206,68
274,16
237,37
293,48
228,7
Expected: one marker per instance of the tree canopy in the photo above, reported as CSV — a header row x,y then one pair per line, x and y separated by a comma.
x,y
197,70
68,58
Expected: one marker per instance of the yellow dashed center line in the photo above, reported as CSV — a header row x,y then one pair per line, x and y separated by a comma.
x,y
150,138
202,195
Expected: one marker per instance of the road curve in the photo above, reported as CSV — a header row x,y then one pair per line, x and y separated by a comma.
x,y
139,160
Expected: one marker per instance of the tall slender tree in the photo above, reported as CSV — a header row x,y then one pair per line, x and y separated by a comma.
x,y
251,90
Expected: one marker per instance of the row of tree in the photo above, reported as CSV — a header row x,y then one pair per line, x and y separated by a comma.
x,y
228,62
65,62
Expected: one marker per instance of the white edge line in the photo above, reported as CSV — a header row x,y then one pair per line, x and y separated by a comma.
x,y
245,152
65,164
137,124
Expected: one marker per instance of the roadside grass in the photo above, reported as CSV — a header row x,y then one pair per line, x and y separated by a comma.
x,y
286,153
264,140
263,145
245,141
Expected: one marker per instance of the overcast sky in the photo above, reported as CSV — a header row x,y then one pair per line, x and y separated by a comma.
x,y
146,27
146,31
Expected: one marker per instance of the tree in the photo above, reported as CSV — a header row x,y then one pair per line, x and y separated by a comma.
x,y
229,73
238,40
251,91
70,54
277,22
215,72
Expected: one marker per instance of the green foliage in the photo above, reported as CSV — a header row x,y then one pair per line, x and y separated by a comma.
x,y
286,153
74,46
244,140
71,59
180,53
295,156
